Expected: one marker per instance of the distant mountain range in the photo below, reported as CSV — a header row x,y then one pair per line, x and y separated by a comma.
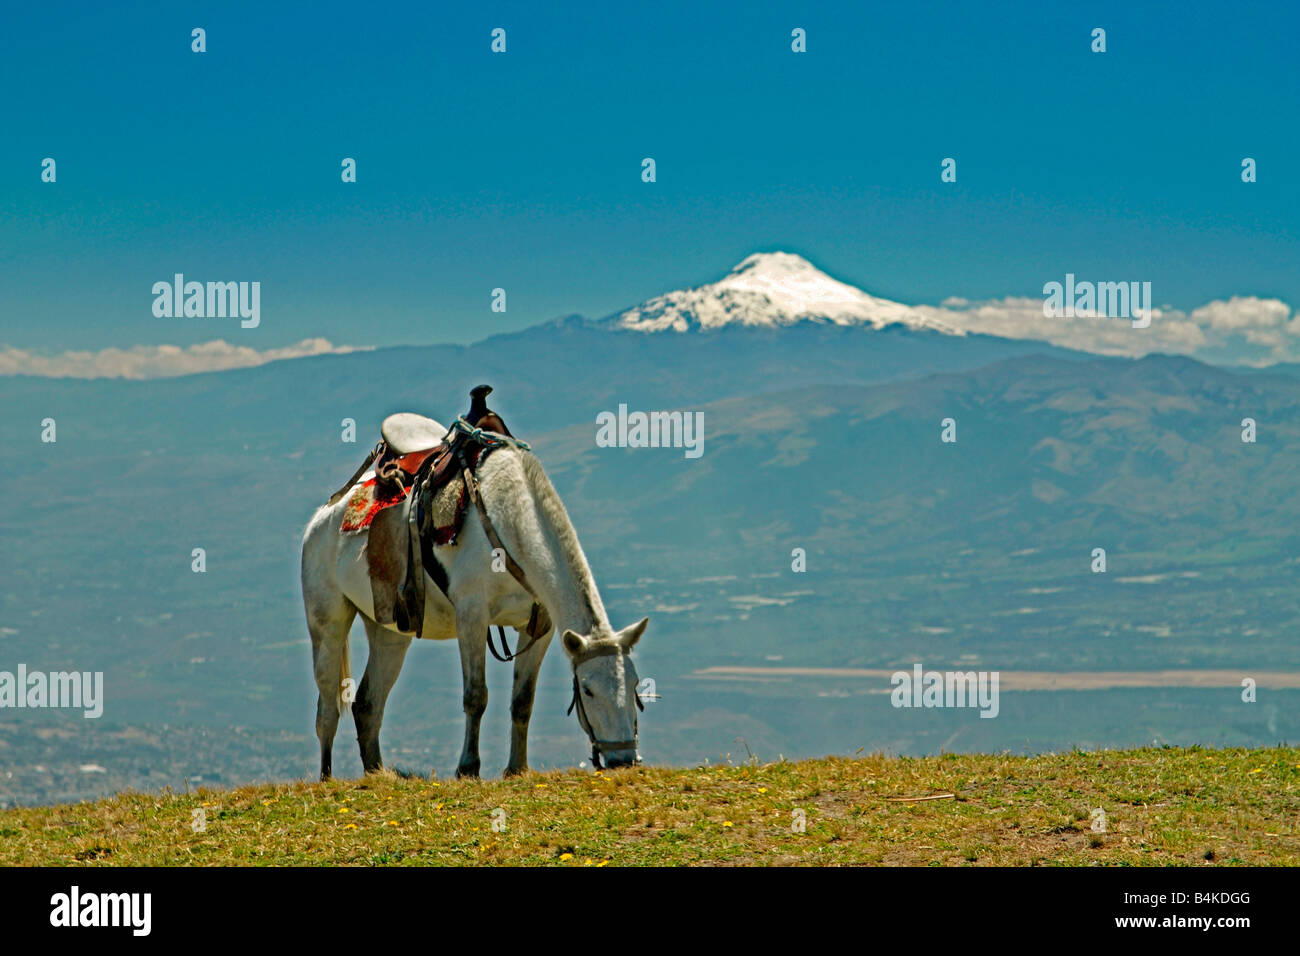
x,y
822,432
766,292
546,377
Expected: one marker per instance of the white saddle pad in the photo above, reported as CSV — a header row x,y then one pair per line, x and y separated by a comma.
x,y
406,432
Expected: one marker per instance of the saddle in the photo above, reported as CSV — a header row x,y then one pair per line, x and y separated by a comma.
x,y
422,488
408,440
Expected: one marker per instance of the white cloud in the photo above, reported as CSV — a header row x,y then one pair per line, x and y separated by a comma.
x,y
156,361
1241,312
1239,330
1251,329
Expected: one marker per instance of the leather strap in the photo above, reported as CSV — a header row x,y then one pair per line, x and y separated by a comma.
x,y
414,565
516,572
504,646
530,630
370,460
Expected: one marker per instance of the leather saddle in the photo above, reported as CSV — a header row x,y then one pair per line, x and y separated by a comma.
x,y
409,440
418,455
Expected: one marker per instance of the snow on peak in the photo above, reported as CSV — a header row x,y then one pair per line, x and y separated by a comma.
x,y
770,290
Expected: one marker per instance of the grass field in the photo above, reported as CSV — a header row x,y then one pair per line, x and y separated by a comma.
x,y
1169,806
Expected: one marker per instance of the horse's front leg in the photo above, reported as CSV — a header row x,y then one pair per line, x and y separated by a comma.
x,y
471,634
527,666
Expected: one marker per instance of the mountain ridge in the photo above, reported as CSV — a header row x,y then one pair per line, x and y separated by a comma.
x,y
770,290
767,292
975,553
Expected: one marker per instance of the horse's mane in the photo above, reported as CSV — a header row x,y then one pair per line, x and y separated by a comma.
x,y
559,524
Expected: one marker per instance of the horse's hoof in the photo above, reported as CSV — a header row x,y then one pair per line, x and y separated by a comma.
x,y
515,771
467,772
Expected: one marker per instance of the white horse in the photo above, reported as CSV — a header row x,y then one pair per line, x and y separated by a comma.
x,y
532,524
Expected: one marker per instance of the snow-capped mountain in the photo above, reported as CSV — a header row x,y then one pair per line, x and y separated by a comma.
x,y
770,290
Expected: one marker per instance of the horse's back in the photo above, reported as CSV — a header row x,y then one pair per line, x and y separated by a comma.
x,y
337,563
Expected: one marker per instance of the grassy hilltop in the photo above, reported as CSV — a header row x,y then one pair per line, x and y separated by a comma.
x,y
1166,806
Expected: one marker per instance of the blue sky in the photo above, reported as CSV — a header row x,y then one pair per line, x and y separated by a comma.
x,y
522,170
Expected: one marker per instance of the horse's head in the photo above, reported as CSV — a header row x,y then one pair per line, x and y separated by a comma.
x,y
604,692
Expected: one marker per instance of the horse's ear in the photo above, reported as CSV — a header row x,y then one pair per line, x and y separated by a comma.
x,y
573,642
630,635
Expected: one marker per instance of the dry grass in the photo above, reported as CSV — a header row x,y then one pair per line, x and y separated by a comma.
x,y
1168,806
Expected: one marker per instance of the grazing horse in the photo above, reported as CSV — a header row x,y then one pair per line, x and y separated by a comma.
x,y
535,530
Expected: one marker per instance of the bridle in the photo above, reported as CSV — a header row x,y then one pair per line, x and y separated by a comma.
x,y
599,746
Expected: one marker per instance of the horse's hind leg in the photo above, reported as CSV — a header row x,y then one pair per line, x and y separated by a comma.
x,y
387,652
329,624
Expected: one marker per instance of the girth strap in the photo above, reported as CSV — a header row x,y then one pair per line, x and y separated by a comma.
x,y
414,564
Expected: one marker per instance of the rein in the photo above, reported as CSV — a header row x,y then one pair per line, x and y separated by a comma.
x,y
530,630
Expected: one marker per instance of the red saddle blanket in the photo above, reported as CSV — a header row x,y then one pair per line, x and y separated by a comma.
x,y
367,501
443,520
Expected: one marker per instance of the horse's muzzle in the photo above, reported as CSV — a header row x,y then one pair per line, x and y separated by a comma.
x,y
622,758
